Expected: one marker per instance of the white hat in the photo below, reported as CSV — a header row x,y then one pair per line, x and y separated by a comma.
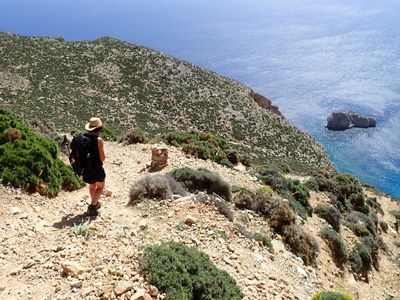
x,y
93,124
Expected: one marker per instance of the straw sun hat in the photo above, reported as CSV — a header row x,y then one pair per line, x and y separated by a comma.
x,y
93,124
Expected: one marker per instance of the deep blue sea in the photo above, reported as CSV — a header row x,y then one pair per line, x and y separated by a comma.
x,y
310,57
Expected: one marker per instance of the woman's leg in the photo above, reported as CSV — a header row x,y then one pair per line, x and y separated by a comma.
x,y
95,190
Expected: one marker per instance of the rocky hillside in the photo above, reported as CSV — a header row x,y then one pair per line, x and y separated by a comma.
x,y
131,86
41,257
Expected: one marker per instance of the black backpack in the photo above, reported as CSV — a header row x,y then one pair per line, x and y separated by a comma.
x,y
80,157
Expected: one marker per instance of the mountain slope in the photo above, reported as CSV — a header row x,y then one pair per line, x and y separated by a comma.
x,y
36,240
131,86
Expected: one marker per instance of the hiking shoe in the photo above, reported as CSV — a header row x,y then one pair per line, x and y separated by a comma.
x,y
92,210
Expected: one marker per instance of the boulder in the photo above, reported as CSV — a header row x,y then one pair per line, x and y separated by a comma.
x,y
339,121
346,120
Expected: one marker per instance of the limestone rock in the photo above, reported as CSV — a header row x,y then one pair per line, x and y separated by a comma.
x,y
15,210
123,287
72,268
139,295
190,220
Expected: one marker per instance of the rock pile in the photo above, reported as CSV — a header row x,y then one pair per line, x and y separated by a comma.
x,y
159,158
347,120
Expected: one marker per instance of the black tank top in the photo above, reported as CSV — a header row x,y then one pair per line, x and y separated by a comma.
x,y
94,150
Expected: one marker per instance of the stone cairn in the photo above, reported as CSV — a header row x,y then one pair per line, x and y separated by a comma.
x,y
159,158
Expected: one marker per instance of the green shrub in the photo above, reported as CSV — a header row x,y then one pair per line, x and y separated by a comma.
x,y
272,177
332,295
108,134
221,205
135,136
301,243
154,187
336,244
263,239
384,226
30,161
277,212
357,202
347,185
375,205
186,273
312,184
299,192
293,190
202,180
360,260
205,145
367,221
330,214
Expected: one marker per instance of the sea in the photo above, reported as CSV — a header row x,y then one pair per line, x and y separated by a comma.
x,y
310,57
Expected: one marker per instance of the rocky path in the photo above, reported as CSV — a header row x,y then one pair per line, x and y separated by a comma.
x,y
41,258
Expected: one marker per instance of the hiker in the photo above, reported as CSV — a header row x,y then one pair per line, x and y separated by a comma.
x,y
95,175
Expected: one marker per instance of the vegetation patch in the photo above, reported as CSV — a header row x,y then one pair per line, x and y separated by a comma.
x,y
330,214
157,187
336,244
293,190
204,180
134,136
332,295
360,261
277,212
30,161
205,145
184,272
301,243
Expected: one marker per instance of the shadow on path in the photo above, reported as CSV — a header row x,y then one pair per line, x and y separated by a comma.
x,y
70,221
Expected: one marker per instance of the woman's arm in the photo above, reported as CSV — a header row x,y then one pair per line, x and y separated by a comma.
x,y
100,143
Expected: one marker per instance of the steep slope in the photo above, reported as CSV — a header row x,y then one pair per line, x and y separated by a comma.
x,y
37,240
131,86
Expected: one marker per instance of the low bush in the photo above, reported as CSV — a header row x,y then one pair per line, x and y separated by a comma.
x,y
277,212
272,177
221,205
293,190
45,128
154,187
299,192
135,136
205,145
373,203
357,202
372,246
108,134
184,272
360,261
330,214
202,180
30,161
263,239
362,220
384,226
396,215
347,185
312,184
332,295
336,244
301,243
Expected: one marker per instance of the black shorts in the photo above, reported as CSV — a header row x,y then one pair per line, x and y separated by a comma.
x,y
93,175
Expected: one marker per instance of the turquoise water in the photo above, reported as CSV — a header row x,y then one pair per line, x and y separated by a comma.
x,y
309,57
